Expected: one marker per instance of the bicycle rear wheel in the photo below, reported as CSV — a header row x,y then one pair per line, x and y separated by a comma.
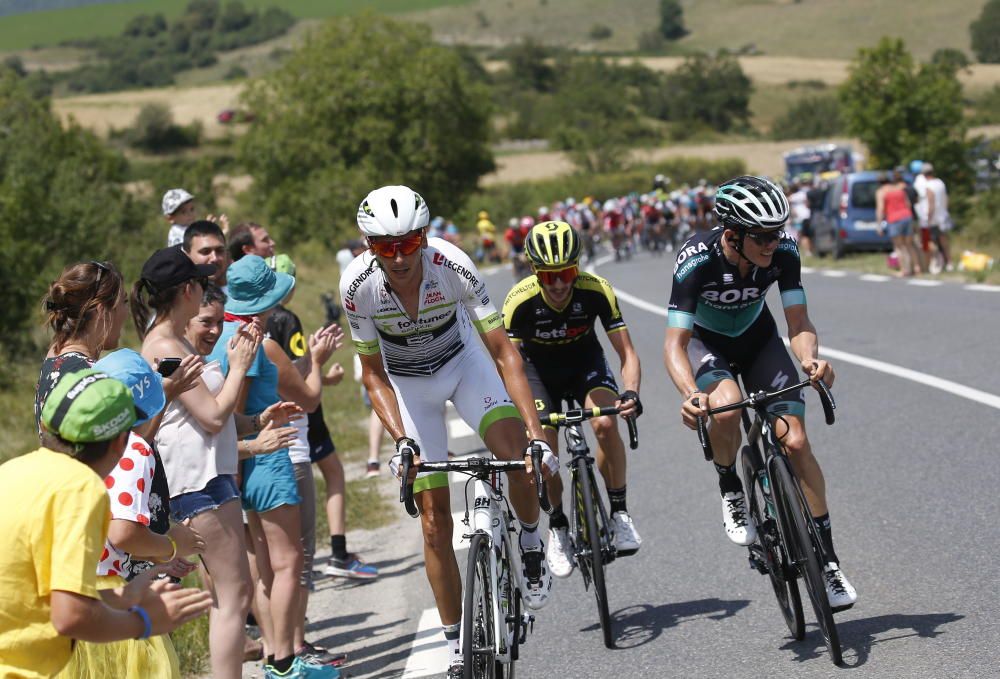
x,y
807,550
478,633
786,590
589,543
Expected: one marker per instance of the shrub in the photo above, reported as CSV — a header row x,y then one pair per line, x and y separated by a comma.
x,y
949,56
809,118
986,109
600,32
651,41
985,33
154,130
983,226
235,72
672,20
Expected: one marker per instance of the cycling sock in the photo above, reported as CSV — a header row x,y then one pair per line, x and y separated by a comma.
x,y
616,497
270,660
729,480
557,519
283,665
338,545
451,635
530,539
826,536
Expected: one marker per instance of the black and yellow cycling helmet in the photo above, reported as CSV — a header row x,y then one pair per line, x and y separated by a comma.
x,y
552,245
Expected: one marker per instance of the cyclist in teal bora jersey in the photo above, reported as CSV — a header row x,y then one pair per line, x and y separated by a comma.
x,y
717,316
417,308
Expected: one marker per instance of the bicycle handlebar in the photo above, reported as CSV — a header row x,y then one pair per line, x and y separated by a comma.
x,y
760,398
577,415
472,465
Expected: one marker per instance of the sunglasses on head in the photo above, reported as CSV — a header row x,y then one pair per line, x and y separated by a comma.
x,y
387,247
101,268
765,238
567,275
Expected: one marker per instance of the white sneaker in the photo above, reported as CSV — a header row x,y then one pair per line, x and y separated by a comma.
x,y
560,553
739,528
627,540
535,578
839,592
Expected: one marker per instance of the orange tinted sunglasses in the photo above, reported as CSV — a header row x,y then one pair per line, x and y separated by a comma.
x,y
567,275
387,247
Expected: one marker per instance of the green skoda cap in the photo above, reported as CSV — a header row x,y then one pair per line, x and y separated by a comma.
x,y
281,264
89,406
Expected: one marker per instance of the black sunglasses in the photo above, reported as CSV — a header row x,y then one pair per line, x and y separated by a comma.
x,y
101,268
765,238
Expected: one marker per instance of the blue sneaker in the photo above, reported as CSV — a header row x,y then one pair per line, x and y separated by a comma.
x,y
351,567
302,669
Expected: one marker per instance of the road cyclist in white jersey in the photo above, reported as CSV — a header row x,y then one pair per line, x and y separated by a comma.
x,y
414,305
717,316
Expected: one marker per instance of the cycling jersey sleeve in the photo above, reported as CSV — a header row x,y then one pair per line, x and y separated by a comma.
x,y
513,306
688,271
472,290
607,308
363,332
790,278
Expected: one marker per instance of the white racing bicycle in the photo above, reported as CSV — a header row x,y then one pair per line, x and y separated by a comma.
x,y
493,624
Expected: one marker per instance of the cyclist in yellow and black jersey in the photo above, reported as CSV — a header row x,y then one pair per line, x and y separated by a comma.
x,y
550,316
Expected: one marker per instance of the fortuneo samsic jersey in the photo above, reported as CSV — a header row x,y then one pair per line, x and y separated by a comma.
x,y
709,292
453,300
543,331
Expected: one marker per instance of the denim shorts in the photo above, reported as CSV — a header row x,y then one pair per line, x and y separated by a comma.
x,y
219,491
269,482
900,228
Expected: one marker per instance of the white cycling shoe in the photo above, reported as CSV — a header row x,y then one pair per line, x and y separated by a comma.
x,y
536,579
560,553
627,540
839,592
739,527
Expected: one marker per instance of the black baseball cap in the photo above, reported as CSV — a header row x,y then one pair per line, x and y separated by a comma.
x,y
171,266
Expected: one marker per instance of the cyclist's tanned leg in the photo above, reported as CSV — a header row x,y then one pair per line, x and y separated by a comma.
x,y
439,554
793,437
725,431
610,448
507,441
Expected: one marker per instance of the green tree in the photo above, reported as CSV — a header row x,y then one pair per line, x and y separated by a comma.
x,y
902,110
949,56
530,67
365,102
809,118
62,200
672,20
710,90
985,33
595,122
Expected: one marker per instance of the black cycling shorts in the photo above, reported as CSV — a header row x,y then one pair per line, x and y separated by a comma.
x,y
761,358
569,379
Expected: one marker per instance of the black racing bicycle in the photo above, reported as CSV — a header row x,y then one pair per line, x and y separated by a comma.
x,y
593,535
788,546
493,625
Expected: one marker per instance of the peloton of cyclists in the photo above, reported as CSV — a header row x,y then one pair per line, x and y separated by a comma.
x,y
717,316
550,316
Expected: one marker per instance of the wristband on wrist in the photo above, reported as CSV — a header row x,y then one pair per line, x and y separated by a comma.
x,y
173,543
256,422
147,624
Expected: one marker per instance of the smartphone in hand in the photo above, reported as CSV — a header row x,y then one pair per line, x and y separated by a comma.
x,y
168,366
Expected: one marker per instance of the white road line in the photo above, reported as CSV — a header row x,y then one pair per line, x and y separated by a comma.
x,y
457,428
457,541
808,269
920,283
833,273
983,287
875,278
429,651
985,398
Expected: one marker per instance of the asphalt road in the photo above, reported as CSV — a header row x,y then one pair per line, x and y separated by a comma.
x,y
912,485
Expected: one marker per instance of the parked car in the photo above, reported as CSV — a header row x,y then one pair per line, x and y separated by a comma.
x,y
846,222
234,115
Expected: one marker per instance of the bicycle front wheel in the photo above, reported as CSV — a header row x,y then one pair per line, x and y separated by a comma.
x,y
590,554
772,551
478,633
806,550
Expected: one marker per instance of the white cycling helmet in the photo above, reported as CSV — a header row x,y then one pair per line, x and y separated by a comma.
x,y
392,211
750,202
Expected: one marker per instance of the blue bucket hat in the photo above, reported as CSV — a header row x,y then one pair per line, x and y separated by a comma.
x,y
146,385
254,287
